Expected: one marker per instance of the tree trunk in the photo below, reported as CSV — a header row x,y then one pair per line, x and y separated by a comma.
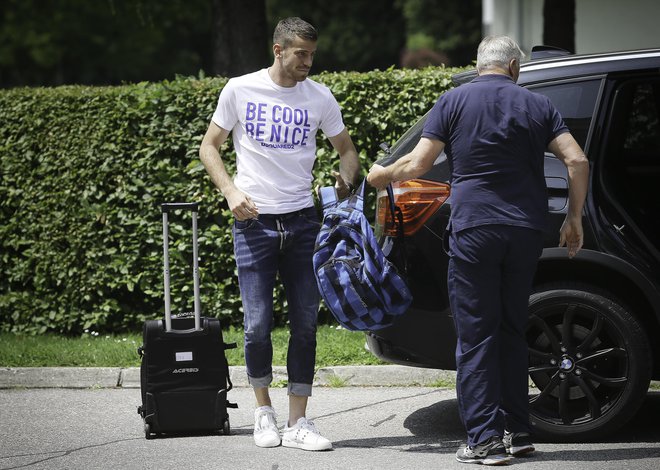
x,y
559,24
240,39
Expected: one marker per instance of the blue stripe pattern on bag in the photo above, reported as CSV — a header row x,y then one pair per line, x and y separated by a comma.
x,y
359,285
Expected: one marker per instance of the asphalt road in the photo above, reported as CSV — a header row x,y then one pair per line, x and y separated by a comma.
x,y
371,427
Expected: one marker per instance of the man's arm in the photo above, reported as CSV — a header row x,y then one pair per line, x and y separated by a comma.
x,y
349,164
416,163
239,203
569,152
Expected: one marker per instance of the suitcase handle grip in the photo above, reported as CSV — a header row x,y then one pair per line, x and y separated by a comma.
x,y
170,206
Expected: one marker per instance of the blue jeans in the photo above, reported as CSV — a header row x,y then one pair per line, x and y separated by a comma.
x,y
264,247
490,275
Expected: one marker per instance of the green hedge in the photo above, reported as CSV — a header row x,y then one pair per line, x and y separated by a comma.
x,y
84,170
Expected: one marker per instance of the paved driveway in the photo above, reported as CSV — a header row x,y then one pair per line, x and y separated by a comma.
x,y
371,427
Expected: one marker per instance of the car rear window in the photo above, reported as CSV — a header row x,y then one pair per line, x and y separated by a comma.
x,y
576,102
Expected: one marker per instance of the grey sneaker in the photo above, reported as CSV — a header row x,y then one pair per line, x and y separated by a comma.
x,y
491,452
266,433
304,435
517,443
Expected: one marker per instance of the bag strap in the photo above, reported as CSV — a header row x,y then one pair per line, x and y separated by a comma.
x,y
397,215
327,196
357,199
397,220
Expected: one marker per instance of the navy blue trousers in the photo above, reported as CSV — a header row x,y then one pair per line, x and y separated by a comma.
x,y
489,279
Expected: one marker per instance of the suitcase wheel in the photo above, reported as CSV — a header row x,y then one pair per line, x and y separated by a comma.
x,y
226,429
147,431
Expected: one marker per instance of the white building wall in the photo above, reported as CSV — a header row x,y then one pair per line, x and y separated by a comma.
x,y
521,20
614,25
600,25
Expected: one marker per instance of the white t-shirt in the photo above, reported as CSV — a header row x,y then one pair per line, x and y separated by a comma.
x,y
274,134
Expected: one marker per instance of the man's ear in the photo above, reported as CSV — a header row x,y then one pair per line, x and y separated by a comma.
x,y
514,69
277,50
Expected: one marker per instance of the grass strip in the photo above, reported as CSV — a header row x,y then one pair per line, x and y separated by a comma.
x,y
335,347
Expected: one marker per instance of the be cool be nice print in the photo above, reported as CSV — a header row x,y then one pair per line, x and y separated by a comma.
x,y
277,126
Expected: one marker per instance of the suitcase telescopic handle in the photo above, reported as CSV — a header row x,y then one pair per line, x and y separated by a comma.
x,y
167,207
171,206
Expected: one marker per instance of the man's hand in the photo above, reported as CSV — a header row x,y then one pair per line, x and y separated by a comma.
x,y
378,177
241,205
341,186
571,235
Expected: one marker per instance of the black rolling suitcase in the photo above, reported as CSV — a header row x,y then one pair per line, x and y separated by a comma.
x,y
184,376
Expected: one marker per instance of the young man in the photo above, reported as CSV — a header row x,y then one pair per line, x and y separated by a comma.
x,y
495,134
274,115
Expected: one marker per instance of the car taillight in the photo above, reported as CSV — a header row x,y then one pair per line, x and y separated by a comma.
x,y
417,199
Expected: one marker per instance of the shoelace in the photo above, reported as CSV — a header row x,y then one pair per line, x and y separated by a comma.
x,y
270,418
309,425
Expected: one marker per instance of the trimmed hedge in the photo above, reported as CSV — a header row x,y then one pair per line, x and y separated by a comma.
x,y
84,170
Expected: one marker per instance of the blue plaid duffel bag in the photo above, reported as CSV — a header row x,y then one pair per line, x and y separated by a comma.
x,y
360,286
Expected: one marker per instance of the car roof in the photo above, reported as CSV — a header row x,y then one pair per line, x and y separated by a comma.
x,y
576,65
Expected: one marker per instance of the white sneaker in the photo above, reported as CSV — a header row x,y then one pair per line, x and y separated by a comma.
x,y
304,435
266,433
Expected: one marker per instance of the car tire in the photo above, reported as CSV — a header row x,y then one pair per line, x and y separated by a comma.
x,y
589,360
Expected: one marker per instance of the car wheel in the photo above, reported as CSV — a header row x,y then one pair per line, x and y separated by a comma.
x,y
589,359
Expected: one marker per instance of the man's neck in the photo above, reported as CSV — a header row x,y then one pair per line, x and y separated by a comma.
x,y
495,71
278,77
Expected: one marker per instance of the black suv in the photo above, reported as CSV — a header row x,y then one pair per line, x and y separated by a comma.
x,y
594,320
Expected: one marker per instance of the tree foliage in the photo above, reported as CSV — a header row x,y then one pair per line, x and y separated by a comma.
x,y
353,35
240,39
446,26
109,42
102,42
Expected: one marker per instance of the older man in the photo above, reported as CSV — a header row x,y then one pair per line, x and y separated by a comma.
x,y
495,133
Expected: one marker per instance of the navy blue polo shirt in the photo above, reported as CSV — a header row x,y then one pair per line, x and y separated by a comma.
x,y
495,134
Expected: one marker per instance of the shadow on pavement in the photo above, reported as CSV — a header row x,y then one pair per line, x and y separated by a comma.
x,y
439,422
438,429
435,428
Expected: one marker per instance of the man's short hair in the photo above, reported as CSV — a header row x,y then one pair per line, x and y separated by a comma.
x,y
497,51
289,28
